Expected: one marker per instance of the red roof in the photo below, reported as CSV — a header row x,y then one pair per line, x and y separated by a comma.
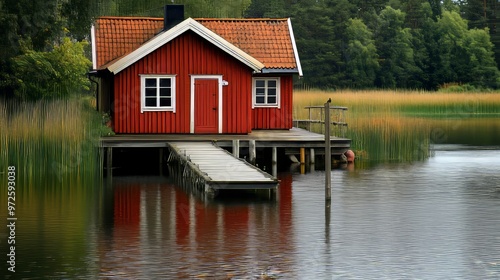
x,y
118,36
268,40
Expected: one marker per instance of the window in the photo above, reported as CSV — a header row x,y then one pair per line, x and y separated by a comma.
x,y
158,93
266,92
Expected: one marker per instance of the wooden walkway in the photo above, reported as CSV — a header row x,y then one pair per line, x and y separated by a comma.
x,y
293,138
213,166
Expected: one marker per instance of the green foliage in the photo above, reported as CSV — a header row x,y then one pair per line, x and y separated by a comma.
x,y
52,74
459,88
417,43
362,59
397,67
466,55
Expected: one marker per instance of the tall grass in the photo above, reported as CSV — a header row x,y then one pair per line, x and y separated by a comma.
x,y
50,139
398,125
407,102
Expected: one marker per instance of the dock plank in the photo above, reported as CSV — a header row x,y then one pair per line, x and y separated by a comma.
x,y
223,170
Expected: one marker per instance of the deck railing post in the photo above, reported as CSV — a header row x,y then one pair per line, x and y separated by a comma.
x,y
310,119
328,153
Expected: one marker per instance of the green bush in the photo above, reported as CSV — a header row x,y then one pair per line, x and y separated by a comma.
x,y
52,74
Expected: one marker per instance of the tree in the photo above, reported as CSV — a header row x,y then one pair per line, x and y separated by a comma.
x,y
466,55
397,66
314,38
424,42
320,31
481,14
29,23
266,8
361,55
58,73
453,56
483,69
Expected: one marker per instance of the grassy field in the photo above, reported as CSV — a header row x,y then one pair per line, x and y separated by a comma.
x,y
401,125
49,138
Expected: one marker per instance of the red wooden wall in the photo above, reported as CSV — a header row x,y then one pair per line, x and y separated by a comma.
x,y
276,118
186,55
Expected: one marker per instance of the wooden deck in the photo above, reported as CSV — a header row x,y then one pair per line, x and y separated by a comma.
x,y
218,169
292,139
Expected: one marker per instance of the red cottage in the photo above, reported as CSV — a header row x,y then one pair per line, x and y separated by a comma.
x,y
204,76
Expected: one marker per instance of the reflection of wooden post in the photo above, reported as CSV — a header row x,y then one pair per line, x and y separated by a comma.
x,y
328,153
252,153
236,148
161,161
302,161
274,161
109,163
101,159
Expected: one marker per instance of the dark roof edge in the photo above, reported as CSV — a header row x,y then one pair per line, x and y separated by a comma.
x,y
280,71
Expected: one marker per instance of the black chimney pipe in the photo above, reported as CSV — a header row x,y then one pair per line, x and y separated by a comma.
x,y
174,14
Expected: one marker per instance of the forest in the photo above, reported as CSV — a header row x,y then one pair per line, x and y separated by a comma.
x,y
355,44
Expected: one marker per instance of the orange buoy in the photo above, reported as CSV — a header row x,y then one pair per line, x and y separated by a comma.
x,y
349,154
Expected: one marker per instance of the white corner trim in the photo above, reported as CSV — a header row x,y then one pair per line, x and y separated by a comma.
x,y
94,50
296,53
192,106
165,37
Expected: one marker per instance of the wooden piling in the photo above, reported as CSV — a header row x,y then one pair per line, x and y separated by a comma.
x,y
252,153
236,148
312,156
328,153
302,155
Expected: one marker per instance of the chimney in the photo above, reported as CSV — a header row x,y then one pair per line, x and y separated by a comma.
x,y
174,14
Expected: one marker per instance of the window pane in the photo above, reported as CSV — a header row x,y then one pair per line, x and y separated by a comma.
x,y
260,92
150,92
164,92
271,92
150,82
260,83
165,102
165,82
260,100
271,83
150,102
271,100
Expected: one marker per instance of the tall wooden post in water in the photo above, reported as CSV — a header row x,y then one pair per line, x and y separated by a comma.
x,y
328,153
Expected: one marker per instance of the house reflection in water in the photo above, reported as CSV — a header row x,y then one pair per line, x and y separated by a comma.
x,y
159,229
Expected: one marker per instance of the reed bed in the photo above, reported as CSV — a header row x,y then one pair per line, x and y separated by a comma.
x,y
50,139
407,102
398,125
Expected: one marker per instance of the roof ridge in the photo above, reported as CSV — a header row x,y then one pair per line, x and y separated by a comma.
x,y
242,19
130,18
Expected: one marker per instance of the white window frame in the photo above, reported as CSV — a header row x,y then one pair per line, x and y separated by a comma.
x,y
158,108
254,93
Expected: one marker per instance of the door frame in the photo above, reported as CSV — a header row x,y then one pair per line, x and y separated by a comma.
x,y
192,105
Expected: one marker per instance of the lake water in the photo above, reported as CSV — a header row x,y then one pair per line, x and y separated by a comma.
x,y
432,219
